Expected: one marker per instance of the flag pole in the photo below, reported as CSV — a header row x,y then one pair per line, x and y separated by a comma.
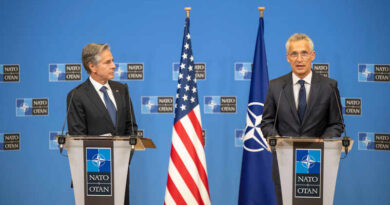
x,y
188,9
261,9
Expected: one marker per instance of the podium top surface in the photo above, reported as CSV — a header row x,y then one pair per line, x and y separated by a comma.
x,y
290,139
142,143
306,139
96,137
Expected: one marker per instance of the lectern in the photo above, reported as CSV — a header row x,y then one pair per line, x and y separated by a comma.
x,y
99,166
308,169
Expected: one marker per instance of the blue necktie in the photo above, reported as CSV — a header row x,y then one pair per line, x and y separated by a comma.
x,y
109,105
301,100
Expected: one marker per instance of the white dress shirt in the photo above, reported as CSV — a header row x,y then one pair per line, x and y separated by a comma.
x,y
297,86
98,86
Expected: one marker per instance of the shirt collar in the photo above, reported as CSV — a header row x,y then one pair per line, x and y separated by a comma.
x,y
307,79
97,85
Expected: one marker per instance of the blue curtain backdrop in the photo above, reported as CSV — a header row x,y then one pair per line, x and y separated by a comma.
x,y
34,34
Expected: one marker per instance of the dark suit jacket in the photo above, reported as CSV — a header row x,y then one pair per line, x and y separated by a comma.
x,y
323,117
87,114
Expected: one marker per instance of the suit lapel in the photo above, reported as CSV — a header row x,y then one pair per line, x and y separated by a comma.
x,y
313,95
97,101
289,92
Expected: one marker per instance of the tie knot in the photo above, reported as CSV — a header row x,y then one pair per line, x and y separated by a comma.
x,y
301,82
103,89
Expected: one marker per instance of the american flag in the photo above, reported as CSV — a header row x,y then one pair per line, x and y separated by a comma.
x,y
187,172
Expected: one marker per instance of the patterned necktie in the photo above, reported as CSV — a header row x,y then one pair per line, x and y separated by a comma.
x,y
301,100
109,105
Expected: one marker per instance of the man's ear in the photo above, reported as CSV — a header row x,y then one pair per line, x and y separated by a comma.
x,y
92,67
288,60
314,55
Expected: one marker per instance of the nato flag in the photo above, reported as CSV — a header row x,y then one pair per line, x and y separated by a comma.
x,y
256,185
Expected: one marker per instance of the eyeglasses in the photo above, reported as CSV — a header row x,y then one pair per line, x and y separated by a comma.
x,y
303,54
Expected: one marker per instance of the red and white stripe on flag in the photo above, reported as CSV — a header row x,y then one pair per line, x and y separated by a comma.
x,y
187,173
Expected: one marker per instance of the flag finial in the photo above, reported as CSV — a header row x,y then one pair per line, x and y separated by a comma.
x,y
188,9
261,9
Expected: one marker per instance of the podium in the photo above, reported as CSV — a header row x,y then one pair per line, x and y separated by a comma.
x,y
308,168
99,166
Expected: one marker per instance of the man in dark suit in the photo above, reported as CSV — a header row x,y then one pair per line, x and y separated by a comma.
x,y
100,106
307,104
301,103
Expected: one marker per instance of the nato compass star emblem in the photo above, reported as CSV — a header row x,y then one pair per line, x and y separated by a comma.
x,y
98,160
308,161
254,140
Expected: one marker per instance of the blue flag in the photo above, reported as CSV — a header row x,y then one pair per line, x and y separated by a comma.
x,y
256,185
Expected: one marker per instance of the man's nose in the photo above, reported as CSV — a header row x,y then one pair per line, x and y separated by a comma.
x,y
299,58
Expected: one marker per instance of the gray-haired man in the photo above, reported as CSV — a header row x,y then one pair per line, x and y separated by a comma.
x,y
100,106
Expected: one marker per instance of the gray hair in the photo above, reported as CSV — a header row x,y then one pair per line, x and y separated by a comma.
x,y
91,54
298,37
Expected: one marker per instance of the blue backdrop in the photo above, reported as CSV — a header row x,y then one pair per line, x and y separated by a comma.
x,y
35,34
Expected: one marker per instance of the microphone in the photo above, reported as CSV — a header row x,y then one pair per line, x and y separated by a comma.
x,y
61,138
273,141
346,140
346,143
134,130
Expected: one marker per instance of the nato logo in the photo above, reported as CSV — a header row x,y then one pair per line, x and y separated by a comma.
x,y
366,72
351,106
238,137
23,107
98,171
156,104
149,104
32,106
64,72
374,141
9,141
308,161
243,71
366,141
307,173
200,71
253,140
9,73
98,160
373,73
53,144
220,104
129,71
